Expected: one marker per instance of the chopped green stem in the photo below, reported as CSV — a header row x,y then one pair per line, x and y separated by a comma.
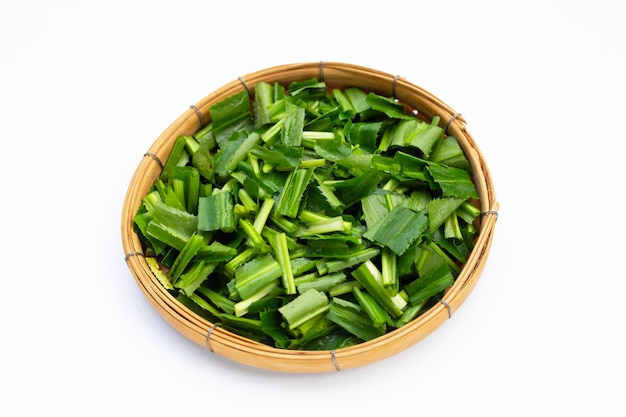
x,y
256,274
263,214
352,318
247,201
376,313
221,301
344,103
430,284
195,276
307,216
332,224
468,212
272,133
452,230
216,212
357,258
305,307
451,263
281,251
308,135
255,240
302,279
312,163
389,270
322,283
190,249
409,314
391,185
368,275
344,288
293,191
241,308
238,260
286,225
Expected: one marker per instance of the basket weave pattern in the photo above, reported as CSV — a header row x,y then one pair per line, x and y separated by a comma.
x,y
240,349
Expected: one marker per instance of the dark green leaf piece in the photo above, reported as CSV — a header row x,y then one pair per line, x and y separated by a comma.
x,y
399,229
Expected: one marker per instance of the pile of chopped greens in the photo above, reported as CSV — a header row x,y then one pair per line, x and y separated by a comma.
x,y
309,217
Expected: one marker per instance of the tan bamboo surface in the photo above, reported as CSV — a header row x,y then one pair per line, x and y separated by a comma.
x,y
242,350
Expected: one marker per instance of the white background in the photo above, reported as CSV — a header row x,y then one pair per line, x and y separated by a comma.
x,y
86,87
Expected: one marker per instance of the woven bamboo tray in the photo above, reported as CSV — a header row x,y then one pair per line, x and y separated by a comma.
x,y
242,350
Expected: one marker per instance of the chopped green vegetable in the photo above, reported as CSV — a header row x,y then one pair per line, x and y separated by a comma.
x,y
307,306
371,278
215,212
351,317
293,192
309,217
399,229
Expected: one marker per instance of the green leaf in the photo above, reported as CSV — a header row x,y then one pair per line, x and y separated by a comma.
x,y
215,212
440,209
271,323
358,99
185,256
449,152
171,226
399,229
323,283
436,281
286,156
291,195
414,133
177,157
364,135
388,106
230,115
293,125
256,274
234,151
263,99
454,182
352,318
194,277
352,190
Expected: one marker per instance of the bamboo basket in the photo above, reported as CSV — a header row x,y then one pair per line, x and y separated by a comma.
x,y
242,350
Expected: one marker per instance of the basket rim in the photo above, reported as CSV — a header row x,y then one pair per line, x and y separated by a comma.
x,y
256,354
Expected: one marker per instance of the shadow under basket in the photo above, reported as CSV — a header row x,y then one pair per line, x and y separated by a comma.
x,y
227,344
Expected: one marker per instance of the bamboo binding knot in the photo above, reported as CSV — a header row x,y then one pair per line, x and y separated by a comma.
x,y
156,158
134,253
454,116
243,82
447,306
492,212
394,84
207,342
199,114
334,359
